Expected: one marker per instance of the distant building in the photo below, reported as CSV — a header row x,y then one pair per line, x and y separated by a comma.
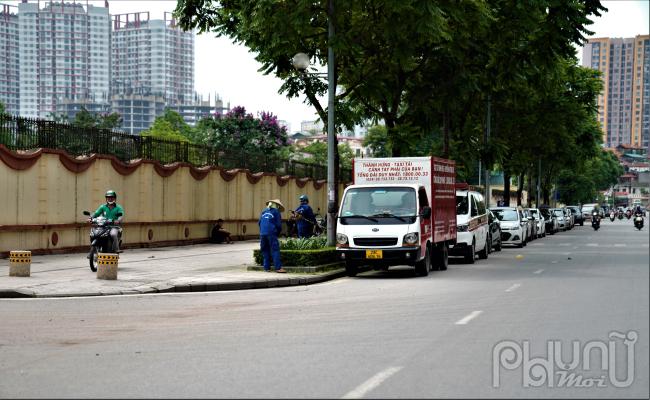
x,y
70,108
312,127
63,55
9,60
624,106
194,112
138,111
152,56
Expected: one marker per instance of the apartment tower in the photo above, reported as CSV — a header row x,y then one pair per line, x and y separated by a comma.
x,y
63,55
624,105
9,60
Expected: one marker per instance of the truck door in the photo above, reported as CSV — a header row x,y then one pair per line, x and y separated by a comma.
x,y
425,223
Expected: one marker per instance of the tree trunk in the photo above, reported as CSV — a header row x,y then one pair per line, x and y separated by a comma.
x,y
445,133
506,188
520,187
530,190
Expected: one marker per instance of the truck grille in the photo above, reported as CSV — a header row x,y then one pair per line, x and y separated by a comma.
x,y
375,241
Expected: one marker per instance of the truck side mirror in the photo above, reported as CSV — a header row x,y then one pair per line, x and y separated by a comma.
x,y
86,213
426,212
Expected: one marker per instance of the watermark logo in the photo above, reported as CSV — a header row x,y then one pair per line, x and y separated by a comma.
x,y
554,371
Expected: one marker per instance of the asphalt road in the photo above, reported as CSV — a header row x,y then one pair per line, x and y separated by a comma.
x,y
378,335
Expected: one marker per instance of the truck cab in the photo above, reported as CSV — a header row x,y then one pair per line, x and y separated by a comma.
x,y
383,226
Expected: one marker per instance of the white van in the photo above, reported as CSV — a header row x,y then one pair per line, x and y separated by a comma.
x,y
471,225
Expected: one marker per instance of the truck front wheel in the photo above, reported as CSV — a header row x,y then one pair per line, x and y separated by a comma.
x,y
422,267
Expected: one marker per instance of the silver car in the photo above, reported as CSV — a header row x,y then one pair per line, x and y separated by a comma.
x,y
561,219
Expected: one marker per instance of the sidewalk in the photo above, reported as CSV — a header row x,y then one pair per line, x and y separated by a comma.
x,y
196,268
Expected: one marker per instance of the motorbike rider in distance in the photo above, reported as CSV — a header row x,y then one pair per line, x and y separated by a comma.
x,y
114,213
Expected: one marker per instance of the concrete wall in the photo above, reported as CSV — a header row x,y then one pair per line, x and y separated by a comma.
x,y
44,193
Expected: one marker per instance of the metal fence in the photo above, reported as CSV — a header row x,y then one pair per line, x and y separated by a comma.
x,y
18,133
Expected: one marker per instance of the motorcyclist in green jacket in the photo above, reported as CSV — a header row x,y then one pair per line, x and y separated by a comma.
x,y
114,213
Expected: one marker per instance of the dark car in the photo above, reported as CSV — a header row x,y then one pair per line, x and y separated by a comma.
x,y
577,215
549,220
494,233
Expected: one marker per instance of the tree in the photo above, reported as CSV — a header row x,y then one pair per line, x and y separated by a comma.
x,y
85,119
318,154
377,141
239,132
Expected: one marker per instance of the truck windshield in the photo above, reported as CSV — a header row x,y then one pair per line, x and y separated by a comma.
x,y
385,205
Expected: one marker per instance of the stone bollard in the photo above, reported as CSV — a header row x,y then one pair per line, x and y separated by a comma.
x,y
107,266
20,263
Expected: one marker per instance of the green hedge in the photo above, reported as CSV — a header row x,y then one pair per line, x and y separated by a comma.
x,y
302,257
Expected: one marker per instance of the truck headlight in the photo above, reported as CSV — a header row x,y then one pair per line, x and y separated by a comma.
x,y
461,228
411,238
341,238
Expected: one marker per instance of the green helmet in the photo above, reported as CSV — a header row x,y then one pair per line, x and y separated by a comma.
x,y
110,193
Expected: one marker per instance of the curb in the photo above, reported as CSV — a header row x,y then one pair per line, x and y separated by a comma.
x,y
185,287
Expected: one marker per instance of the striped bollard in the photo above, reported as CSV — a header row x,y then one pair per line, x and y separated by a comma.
x,y
107,266
20,263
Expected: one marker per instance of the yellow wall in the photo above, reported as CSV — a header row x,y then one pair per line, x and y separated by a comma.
x,y
47,199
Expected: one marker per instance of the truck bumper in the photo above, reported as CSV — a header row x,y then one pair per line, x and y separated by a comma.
x,y
392,256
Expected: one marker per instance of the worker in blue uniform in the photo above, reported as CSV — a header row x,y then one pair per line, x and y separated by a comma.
x,y
270,223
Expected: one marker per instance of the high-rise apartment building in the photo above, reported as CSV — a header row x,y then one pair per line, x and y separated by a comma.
x,y
63,55
9,60
624,105
152,57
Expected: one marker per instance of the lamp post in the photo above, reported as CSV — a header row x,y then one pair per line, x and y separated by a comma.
x,y
301,63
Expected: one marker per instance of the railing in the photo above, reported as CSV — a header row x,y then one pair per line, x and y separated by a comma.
x,y
18,133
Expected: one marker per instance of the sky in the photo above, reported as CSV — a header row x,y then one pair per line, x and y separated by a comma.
x,y
231,72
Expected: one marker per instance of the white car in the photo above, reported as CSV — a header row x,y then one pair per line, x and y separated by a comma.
x,y
539,221
471,225
513,227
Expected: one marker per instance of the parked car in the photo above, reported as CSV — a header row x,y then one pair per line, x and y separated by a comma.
x,y
550,221
539,222
586,210
561,219
513,226
569,218
494,234
471,226
577,215
530,224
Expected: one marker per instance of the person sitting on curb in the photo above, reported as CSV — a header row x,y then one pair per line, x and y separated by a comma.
x,y
270,223
220,235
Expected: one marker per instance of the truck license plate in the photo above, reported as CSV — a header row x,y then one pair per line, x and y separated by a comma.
x,y
374,254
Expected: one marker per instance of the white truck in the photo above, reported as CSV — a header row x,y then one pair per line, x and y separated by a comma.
x,y
398,211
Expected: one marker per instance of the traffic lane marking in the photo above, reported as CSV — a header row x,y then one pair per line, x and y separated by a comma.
x,y
371,383
466,319
513,287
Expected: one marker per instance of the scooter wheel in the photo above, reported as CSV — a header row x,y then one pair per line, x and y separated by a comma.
x,y
92,261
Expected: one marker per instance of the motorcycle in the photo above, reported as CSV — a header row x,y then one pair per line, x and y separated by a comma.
x,y
100,238
638,221
595,221
628,214
612,216
620,215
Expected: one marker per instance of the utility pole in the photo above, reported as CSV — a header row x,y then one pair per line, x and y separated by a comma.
x,y
331,139
487,139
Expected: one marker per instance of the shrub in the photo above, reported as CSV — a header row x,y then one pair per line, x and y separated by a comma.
x,y
308,257
303,243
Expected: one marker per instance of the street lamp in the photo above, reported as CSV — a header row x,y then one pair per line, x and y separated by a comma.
x,y
301,62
